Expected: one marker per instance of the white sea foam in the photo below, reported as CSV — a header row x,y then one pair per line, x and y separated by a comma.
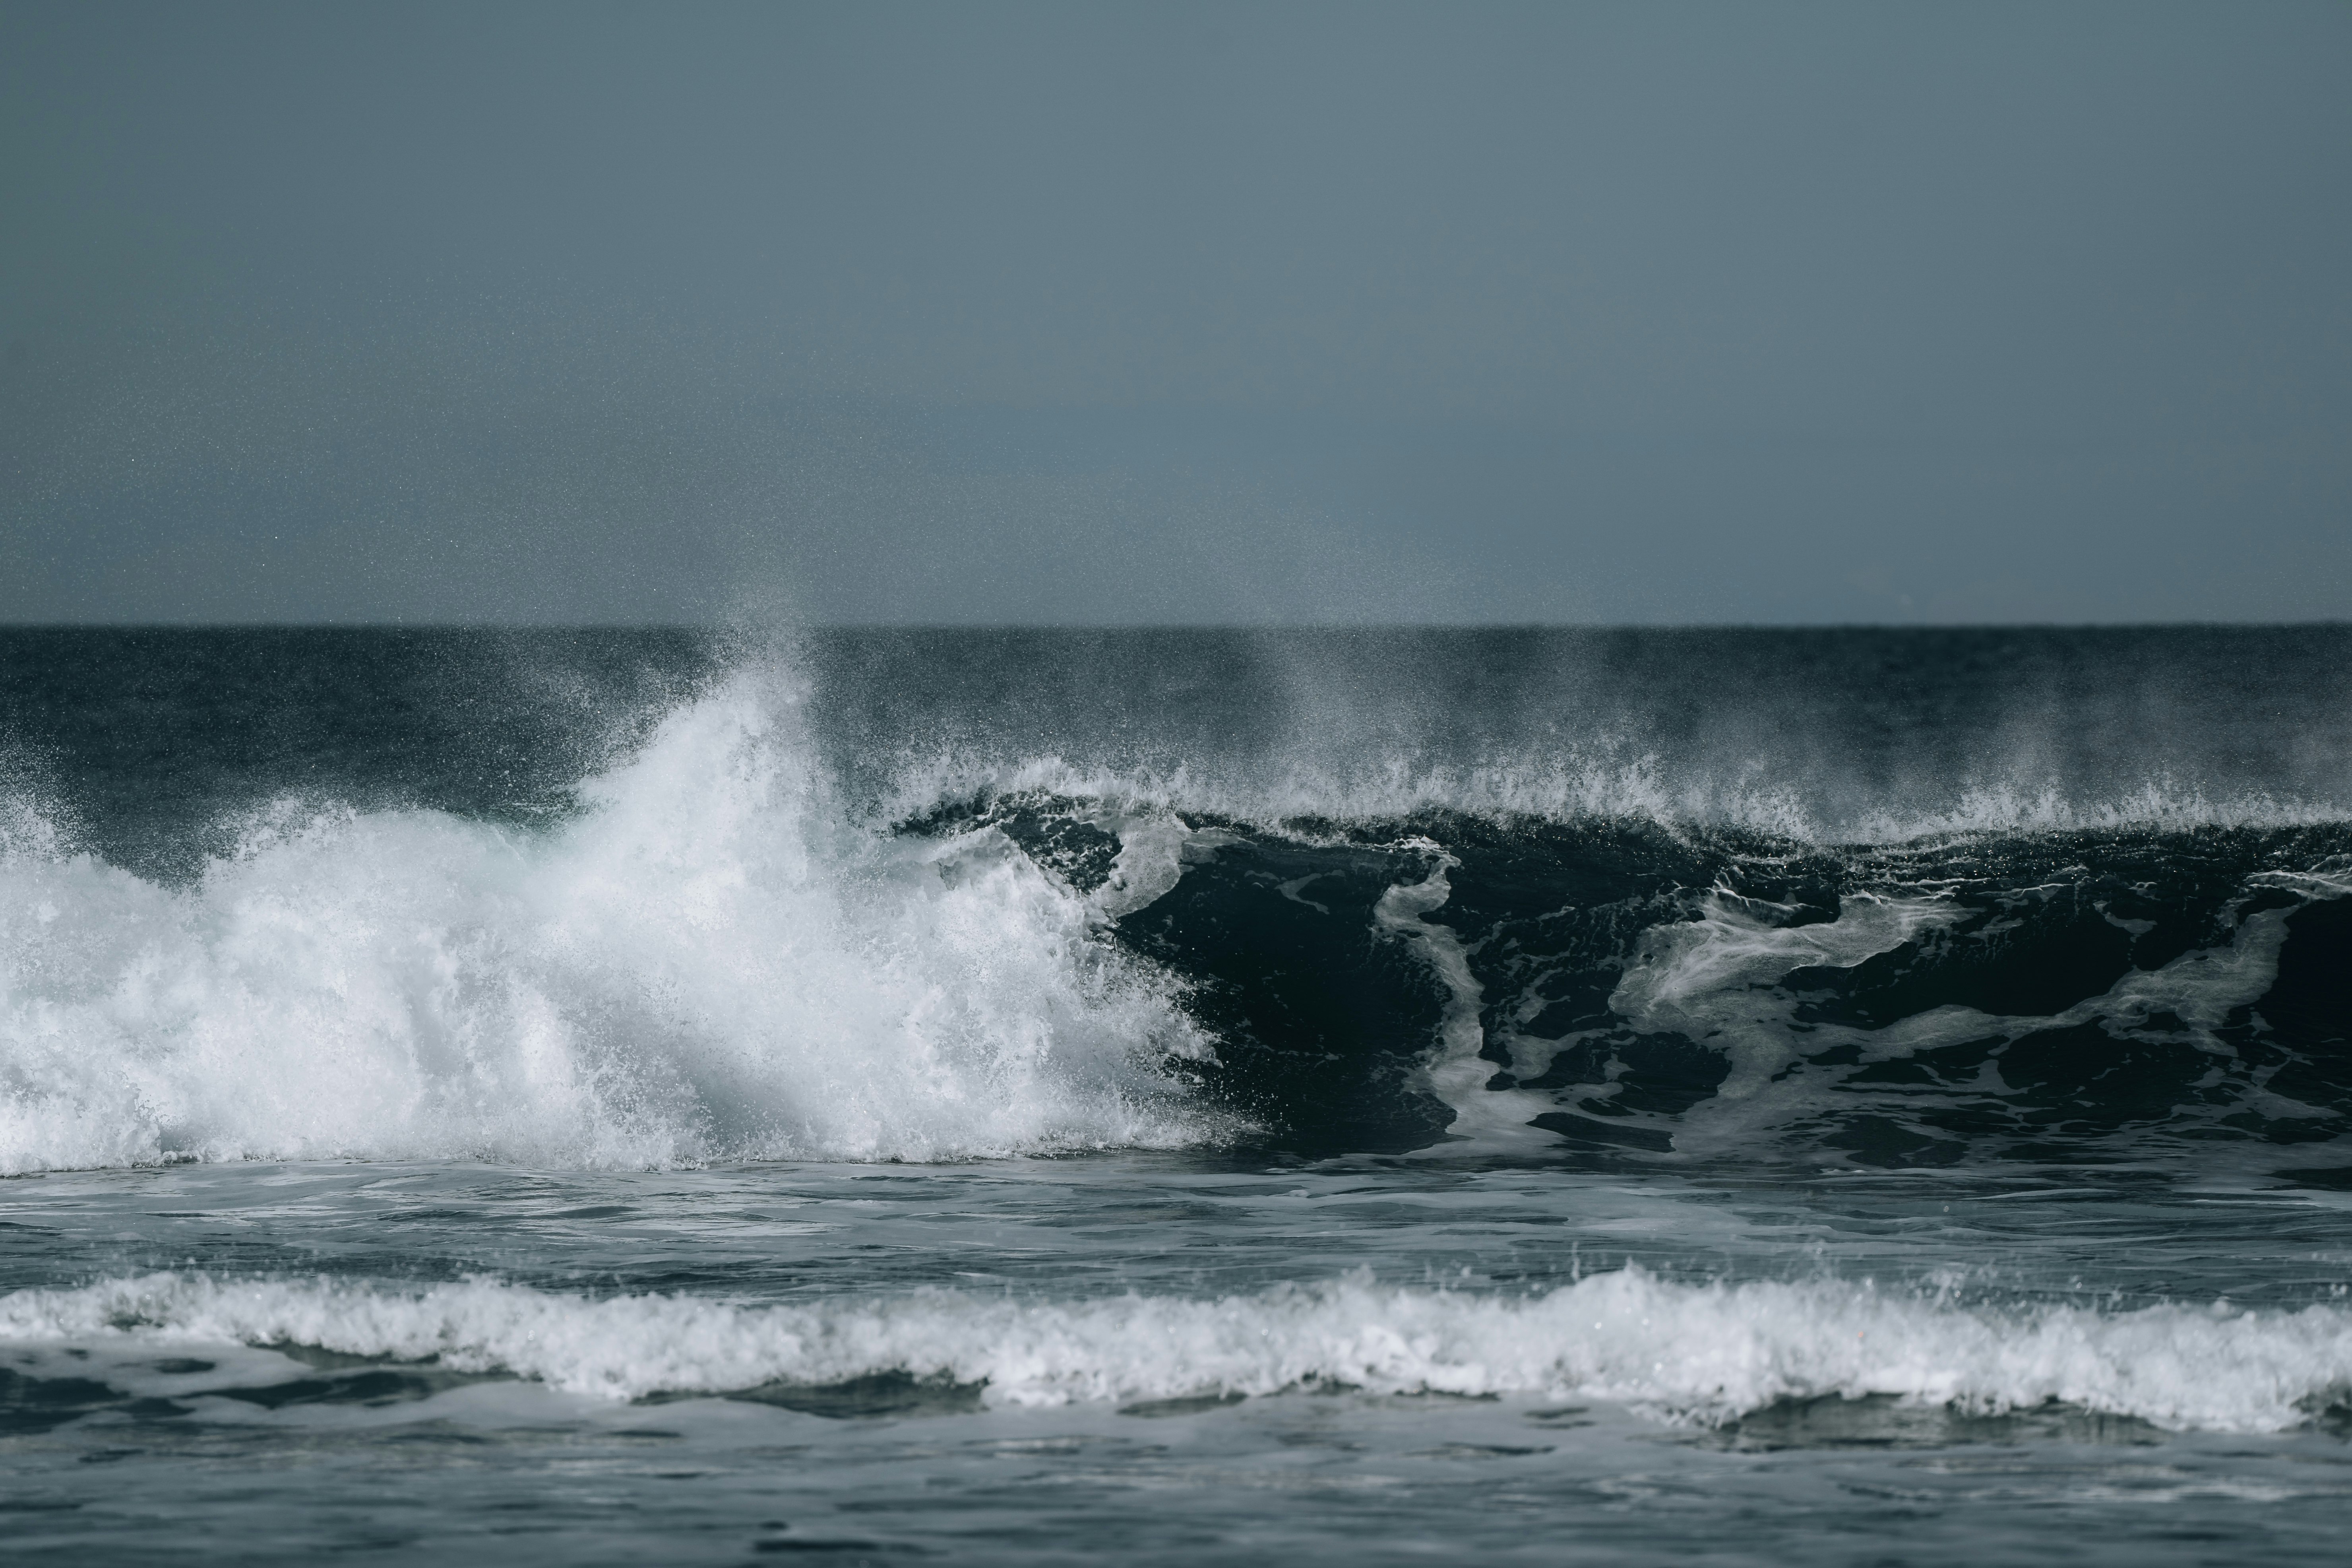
x,y
1702,1353
1485,1120
706,963
1711,978
1719,978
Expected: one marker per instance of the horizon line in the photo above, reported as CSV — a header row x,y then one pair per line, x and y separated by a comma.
x,y
722,627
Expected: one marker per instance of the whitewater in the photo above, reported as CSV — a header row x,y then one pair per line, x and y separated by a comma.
x,y
1273,1094
700,965
1704,1354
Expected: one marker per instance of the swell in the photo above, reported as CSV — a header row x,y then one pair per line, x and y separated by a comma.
x,y
1702,1352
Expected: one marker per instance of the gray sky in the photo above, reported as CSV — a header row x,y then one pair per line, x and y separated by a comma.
x,y
1115,313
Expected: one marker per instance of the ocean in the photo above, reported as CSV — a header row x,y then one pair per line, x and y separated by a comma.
x,y
1176,1096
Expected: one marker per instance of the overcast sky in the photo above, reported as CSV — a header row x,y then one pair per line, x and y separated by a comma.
x,y
1176,312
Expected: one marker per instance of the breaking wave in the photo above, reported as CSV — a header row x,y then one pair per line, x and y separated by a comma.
x,y
1702,1352
766,932
704,963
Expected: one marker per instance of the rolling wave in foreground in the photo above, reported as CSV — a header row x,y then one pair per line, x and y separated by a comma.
x,y
1701,1354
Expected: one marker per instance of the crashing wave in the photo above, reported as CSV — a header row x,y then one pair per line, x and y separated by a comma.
x,y
1701,1352
706,963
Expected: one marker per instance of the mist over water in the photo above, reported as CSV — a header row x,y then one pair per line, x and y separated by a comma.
x,y
1829,737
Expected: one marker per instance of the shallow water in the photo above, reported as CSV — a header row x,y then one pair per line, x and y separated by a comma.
x,y
628,1097
363,1391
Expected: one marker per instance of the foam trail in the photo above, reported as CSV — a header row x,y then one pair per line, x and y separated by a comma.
x,y
1705,1352
1703,976
1486,1120
706,963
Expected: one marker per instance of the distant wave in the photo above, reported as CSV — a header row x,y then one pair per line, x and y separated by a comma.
x,y
1700,1352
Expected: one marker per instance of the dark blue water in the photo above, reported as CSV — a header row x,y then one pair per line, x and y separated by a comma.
x,y
1189,1096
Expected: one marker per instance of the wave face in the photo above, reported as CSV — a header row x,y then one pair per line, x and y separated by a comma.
x,y
1638,993
1707,1354
1824,899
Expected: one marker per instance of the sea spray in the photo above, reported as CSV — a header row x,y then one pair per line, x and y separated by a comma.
x,y
704,963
